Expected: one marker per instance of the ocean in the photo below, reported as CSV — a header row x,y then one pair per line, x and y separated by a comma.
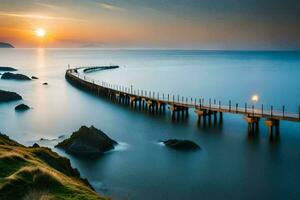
x,y
230,164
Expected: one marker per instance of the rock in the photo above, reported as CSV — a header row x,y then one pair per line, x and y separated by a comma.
x,y
181,144
6,96
87,141
21,107
19,77
34,77
7,69
35,145
45,83
6,45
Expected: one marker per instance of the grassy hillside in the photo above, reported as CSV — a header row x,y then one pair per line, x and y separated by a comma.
x,y
38,173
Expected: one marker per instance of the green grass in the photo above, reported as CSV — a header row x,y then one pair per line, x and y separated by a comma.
x,y
38,173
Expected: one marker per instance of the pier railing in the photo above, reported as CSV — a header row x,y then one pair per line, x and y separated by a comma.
x,y
177,100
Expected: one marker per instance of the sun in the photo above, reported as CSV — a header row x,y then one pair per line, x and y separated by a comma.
x,y
40,32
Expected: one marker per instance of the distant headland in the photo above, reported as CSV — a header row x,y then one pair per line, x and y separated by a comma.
x,y
6,45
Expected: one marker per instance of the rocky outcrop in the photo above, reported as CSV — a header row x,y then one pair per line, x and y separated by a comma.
x,y
12,76
39,173
6,96
181,144
87,141
6,45
34,77
45,83
22,107
7,69
35,145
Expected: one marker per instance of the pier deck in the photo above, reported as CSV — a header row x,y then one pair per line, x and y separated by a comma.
x,y
179,106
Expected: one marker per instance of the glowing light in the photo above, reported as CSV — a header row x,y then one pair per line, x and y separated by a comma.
x,y
255,98
40,32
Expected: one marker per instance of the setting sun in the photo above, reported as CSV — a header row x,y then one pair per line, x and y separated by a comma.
x,y
40,32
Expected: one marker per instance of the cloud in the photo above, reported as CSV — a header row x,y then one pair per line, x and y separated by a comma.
x,y
34,16
110,7
48,6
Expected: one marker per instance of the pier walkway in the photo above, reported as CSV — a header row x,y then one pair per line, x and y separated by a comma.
x,y
209,112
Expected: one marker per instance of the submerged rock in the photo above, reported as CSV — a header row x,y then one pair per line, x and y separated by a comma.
x,y
6,96
87,141
7,69
34,77
12,76
181,144
21,107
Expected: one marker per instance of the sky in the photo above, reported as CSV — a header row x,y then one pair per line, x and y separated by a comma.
x,y
175,24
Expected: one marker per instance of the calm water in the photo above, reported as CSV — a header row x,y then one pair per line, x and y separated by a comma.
x,y
230,165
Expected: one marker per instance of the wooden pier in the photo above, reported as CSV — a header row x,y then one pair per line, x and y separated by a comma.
x,y
208,113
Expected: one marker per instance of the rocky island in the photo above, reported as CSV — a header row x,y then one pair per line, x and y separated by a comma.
x,y
6,45
87,141
39,173
22,107
6,96
7,69
12,76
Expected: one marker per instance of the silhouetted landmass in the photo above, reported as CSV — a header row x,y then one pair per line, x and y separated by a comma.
x,y
39,173
22,107
12,76
181,144
6,96
6,45
7,69
34,77
87,141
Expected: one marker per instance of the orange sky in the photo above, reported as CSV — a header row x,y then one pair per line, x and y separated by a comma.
x,y
154,24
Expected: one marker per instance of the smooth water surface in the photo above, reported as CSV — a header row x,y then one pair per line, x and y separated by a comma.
x,y
230,165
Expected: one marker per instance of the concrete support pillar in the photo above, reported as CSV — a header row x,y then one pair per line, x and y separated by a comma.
x,y
273,125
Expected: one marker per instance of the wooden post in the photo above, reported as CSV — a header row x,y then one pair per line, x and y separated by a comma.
x,y
252,110
173,98
283,111
209,103
236,107
219,105
271,111
245,107
229,105
262,109
200,103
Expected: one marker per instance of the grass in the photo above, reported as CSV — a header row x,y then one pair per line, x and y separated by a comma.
x,y
38,173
